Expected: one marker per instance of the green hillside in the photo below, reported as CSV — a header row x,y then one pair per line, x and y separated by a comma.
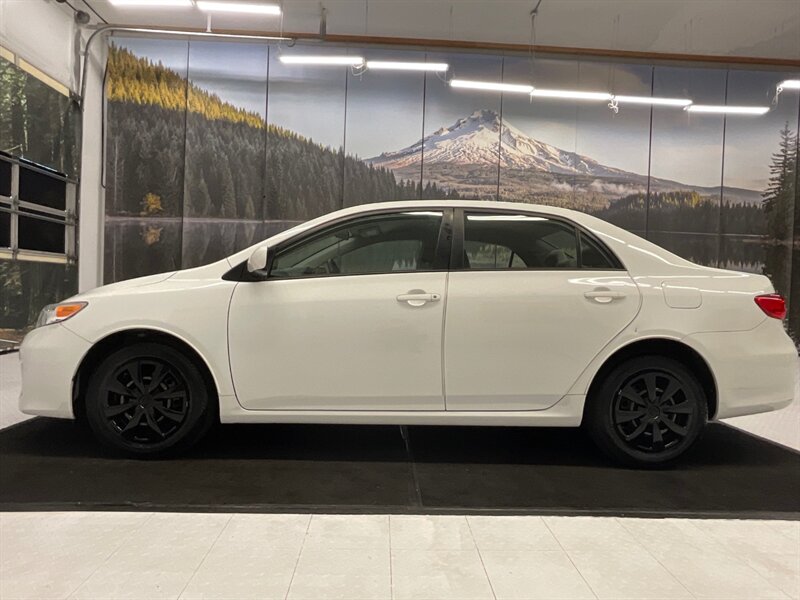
x,y
219,161
141,81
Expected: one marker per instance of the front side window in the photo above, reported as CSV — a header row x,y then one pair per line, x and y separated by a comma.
x,y
518,241
387,243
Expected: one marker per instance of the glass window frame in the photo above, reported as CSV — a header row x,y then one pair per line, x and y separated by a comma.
x,y
457,253
18,208
441,256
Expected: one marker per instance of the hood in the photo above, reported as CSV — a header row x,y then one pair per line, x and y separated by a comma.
x,y
124,285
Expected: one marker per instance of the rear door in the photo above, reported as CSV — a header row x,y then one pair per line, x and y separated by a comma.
x,y
531,301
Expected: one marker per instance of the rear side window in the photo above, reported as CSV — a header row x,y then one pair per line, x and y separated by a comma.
x,y
518,241
491,256
523,241
594,256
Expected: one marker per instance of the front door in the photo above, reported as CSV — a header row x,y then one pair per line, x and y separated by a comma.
x,y
531,303
350,318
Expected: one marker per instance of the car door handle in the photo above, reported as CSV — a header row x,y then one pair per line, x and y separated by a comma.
x,y
604,296
418,299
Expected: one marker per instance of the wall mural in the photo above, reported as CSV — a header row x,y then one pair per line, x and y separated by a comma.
x,y
214,146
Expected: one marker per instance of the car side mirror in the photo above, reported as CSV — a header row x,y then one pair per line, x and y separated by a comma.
x,y
257,263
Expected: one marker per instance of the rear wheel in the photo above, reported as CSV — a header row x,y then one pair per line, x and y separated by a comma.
x,y
148,399
647,411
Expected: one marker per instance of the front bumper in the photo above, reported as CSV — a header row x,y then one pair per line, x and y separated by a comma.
x,y
756,371
50,357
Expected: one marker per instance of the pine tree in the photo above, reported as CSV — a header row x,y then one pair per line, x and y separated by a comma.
x,y
201,198
227,191
779,197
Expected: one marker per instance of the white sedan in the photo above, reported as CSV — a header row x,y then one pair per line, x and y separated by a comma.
x,y
432,312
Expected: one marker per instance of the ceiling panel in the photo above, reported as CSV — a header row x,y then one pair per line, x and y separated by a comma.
x,y
766,28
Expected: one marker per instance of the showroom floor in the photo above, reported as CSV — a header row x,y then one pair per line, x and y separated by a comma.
x,y
214,555
169,555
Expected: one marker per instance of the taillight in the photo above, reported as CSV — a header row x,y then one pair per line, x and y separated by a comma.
x,y
773,305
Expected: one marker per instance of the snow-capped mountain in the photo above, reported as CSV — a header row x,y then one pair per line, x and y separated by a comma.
x,y
464,157
475,140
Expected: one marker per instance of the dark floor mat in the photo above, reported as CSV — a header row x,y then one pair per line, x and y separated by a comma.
x,y
48,464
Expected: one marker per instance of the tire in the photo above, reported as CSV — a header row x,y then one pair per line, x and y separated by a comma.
x,y
148,400
647,412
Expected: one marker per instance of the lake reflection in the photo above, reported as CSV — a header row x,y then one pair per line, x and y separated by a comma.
x,y
139,246
748,253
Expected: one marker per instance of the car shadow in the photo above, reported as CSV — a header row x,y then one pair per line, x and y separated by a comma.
x,y
720,445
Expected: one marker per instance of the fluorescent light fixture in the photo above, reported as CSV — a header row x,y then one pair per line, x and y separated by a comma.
x,y
239,7
407,66
654,100
354,61
574,95
490,86
789,84
153,3
730,110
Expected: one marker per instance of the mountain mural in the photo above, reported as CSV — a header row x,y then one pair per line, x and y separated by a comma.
x,y
531,169
479,138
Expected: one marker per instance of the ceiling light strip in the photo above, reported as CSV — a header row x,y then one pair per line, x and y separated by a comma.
x,y
571,94
729,110
491,86
236,7
353,61
653,100
407,66
789,84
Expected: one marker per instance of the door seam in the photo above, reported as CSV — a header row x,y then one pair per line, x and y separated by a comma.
x,y
228,340
444,326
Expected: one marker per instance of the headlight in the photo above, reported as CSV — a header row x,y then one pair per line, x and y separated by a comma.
x,y
53,313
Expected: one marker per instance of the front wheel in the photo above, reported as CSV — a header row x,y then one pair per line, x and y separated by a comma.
x,y
148,399
647,411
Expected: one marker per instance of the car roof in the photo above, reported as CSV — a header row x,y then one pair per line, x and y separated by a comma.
x,y
481,204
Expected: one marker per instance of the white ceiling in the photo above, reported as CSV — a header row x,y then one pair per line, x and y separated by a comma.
x,y
761,28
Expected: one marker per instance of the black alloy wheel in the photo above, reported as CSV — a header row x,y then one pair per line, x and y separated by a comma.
x,y
148,399
653,412
145,400
648,411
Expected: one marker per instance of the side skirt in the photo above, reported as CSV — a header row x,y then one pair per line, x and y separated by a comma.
x,y
567,412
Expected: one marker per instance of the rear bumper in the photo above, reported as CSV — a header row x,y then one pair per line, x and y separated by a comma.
x,y
756,371
50,357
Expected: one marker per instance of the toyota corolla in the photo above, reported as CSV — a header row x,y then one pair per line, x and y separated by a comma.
x,y
428,312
